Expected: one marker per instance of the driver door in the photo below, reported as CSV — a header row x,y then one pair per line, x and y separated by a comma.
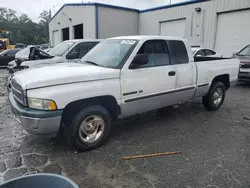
x,y
149,86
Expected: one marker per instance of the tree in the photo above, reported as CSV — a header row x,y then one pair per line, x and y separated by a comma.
x,y
22,28
8,15
45,17
24,18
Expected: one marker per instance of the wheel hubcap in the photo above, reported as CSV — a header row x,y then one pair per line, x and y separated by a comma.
x,y
218,95
91,129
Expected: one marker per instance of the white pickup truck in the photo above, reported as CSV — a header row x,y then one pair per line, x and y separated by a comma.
x,y
119,77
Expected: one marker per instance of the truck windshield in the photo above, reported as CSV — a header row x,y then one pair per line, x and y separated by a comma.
x,y
2,45
61,48
110,53
245,51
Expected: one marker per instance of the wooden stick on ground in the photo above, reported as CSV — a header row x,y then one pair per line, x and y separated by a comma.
x,y
151,155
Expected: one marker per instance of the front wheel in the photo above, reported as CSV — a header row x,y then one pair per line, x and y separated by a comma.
x,y
90,128
215,97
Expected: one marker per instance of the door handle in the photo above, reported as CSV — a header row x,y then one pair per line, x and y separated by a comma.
x,y
171,73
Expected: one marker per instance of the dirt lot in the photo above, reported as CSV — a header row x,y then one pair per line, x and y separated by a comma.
x,y
215,146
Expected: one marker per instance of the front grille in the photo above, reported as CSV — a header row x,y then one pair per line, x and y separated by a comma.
x,y
18,92
245,66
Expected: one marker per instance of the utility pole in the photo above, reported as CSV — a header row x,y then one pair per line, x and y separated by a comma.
x,y
170,2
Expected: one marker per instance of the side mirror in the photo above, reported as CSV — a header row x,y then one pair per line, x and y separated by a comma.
x,y
5,54
234,54
139,59
72,55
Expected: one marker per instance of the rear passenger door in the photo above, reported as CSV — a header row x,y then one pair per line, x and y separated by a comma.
x,y
185,71
149,86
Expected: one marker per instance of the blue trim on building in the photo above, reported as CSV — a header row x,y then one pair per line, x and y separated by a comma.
x,y
125,8
95,4
117,7
173,5
96,22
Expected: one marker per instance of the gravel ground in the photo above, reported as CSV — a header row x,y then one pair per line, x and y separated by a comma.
x,y
215,148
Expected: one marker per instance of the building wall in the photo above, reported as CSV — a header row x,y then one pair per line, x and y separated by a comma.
x,y
79,15
116,22
200,27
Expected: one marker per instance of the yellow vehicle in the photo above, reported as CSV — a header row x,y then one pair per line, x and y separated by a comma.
x,y
5,44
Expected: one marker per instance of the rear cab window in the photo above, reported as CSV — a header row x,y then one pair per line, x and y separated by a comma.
x,y
178,52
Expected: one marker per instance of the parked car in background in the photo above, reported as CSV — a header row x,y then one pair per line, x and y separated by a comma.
x,y
20,45
46,46
119,77
37,46
244,57
204,52
70,50
7,56
47,49
29,53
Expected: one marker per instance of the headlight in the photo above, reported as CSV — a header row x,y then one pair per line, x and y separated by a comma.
x,y
41,104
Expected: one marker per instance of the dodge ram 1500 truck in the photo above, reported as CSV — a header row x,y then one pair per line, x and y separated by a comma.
x,y
119,77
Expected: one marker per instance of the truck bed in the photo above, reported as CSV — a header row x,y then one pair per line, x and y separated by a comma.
x,y
198,59
208,68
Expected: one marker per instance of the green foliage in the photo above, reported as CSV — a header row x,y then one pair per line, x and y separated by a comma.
x,y
22,29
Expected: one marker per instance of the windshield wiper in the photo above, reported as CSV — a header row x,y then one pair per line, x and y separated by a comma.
x,y
92,63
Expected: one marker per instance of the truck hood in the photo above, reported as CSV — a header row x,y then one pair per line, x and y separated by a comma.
x,y
63,73
40,62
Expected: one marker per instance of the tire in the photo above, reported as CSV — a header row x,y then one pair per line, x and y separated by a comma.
x,y
76,137
209,100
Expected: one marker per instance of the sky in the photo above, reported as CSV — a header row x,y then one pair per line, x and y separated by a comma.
x,y
33,7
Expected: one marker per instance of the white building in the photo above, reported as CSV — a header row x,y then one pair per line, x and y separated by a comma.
x,y
223,25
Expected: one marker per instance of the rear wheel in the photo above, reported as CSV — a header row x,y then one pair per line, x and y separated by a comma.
x,y
215,97
90,128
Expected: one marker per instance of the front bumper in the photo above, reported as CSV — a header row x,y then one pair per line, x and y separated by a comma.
x,y
37,122
244,76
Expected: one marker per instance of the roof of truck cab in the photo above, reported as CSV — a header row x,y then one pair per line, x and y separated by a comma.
x,y
84,40
147,37
197,48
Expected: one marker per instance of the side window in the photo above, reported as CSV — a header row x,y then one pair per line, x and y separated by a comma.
x,y
12,52
178,52
200,53
80,50
157,52
209,52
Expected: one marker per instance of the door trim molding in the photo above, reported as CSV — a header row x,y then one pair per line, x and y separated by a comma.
x,y
202,85
159,94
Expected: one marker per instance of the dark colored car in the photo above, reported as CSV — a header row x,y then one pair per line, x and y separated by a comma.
x,y
20,45
244,57
7,56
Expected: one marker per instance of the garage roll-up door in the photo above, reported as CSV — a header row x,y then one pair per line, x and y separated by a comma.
x,y
233,32
174,28
56,38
